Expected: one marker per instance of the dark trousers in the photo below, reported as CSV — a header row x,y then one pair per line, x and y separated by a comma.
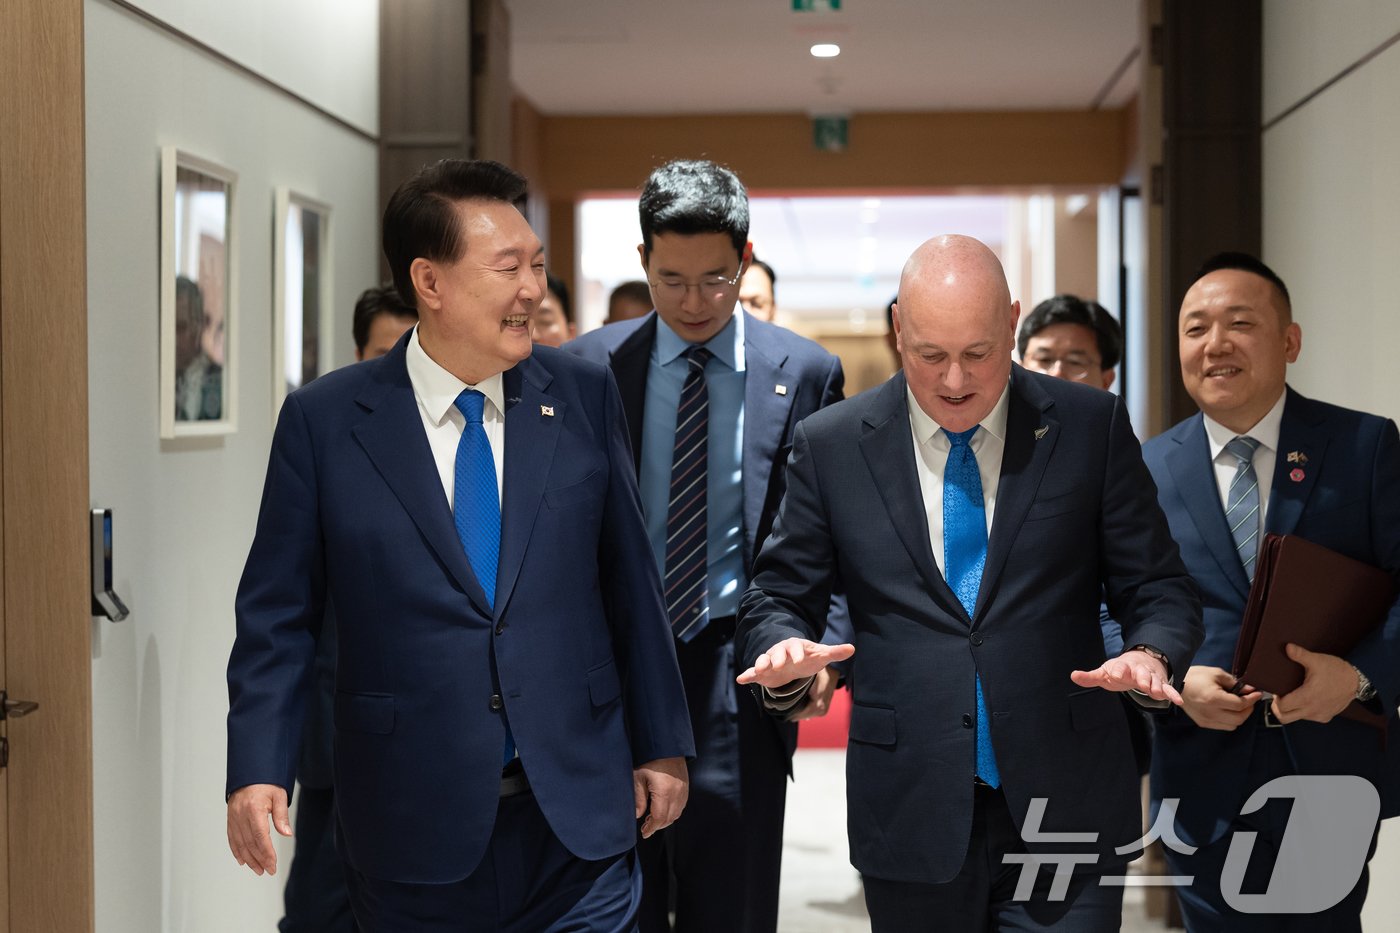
x,y
1203,905
316,900
982,896
719,863
526,883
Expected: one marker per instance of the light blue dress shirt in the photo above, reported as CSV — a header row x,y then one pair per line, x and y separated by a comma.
x,y
724,377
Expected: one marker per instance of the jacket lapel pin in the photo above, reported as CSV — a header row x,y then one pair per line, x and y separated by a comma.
x,y
547,411
1041,431
780,389
1298,457
1297,475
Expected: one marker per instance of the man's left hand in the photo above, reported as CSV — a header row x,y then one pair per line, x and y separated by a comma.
x,y
1131,670
818,695
661,788
1329,685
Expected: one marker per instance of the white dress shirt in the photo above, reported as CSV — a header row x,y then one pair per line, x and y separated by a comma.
x,y
1265,457
436,391
931,447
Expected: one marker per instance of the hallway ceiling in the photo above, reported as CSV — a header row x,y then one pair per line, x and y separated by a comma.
x,y
604,57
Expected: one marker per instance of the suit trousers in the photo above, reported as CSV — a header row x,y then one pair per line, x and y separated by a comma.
x,y
1203,906
527,882
982,896
315,899
718,865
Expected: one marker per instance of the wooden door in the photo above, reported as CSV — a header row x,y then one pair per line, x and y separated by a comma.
x,y
46,861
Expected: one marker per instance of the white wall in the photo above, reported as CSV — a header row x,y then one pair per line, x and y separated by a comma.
x,y
1332,231
184,511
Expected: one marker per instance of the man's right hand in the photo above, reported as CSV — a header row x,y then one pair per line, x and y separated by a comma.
x,y
1206,697
248,837
793,659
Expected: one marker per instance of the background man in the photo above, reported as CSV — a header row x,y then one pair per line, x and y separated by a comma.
x,y
1071,338
975,512
315,898
1261,458
756,290
712,395
628,301
409,492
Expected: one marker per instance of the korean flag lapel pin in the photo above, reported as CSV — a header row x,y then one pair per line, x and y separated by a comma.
x,y
547,411
1041,431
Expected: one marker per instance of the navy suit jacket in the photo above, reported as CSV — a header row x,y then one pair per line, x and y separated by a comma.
x,y
773,356
1347,499
1075,516
578,645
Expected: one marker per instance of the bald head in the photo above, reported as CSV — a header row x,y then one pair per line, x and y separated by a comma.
x,y
955,324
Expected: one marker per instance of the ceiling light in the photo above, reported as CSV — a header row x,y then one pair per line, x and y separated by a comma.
x,y
826,50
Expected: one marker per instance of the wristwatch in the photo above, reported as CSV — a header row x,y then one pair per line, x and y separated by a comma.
x,y
1365,690
1153,652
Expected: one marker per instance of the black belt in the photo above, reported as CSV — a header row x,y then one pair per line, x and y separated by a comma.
x,y
513,780
1266,714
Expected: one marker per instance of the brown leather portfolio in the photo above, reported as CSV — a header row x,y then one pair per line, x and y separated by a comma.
x,y
1312,596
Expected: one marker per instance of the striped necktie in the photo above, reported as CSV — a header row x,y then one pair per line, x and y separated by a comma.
x,y
1242,502
687,528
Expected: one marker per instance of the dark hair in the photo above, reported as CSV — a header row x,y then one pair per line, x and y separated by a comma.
x,y
694,196
380,299
561,291
1245,262
636,289
768,271
1071,309
421,218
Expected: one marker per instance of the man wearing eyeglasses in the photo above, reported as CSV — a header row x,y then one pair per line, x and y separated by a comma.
x,y
1073,339
712,396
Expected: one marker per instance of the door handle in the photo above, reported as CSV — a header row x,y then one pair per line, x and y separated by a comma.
x,y
14,709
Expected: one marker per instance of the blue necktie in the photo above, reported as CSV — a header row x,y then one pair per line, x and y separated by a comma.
x,y
964,555
1242,503
476,506
687,514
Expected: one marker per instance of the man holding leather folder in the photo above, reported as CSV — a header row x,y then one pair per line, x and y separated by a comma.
x,y
1261,459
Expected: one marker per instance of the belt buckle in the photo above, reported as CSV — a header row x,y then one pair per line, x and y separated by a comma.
x,y
1269,721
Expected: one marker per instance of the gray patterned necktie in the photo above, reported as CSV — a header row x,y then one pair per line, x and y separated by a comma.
x,y
1242,502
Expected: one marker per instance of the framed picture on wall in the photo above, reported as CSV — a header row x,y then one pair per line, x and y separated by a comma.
x,y
198,297
301,299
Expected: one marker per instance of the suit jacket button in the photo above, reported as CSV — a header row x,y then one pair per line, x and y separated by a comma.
x,y
501,628
976,638
967,721
496,702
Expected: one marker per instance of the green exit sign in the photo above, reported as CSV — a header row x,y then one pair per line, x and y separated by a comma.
x,y
830,134
815,6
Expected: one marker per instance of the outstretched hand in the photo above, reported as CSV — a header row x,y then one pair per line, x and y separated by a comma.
x,y
1131,670
793,659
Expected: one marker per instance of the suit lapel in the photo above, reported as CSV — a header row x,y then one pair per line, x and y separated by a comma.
x,y
533,421
1031,434
766,411
392,436
888,447
630,363
1301,432
1194,477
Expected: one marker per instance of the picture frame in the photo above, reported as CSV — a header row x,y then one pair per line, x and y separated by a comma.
x,y
198,297
301,301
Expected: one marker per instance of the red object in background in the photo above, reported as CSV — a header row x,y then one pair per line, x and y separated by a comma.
x,y
827,731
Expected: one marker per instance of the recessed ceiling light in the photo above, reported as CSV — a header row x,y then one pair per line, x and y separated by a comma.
x,y
826,50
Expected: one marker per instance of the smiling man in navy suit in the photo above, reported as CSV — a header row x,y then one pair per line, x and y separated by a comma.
x,y
1261,458
712,396
502,717
976,512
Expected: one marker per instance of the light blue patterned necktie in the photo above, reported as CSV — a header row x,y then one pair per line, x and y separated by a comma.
x,y
476,506
964,556
1242,502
